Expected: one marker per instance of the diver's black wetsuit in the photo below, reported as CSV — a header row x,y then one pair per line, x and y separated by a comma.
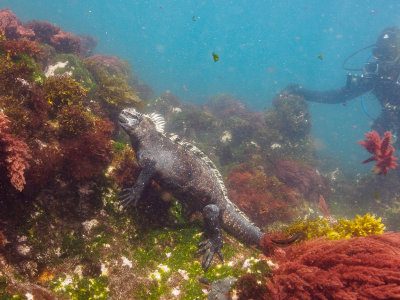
x,y
383,82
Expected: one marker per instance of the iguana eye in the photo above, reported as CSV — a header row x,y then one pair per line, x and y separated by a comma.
x,y
133,121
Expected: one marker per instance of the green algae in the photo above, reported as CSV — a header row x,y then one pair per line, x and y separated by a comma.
x,y
119,147
170,251
80,288
76,69
37,75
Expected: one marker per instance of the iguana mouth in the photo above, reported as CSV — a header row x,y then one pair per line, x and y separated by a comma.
x,y
128,117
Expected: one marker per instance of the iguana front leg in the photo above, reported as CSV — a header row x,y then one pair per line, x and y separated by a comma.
x,y
213,244
131,196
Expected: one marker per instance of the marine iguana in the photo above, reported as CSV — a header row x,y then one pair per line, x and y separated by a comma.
x,y
185,171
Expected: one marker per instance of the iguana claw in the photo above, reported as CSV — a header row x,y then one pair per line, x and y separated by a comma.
x,y
214,243
128,198
209,247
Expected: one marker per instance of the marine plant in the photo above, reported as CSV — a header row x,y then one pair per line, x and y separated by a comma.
x,y
381,150
265,199
112,88
62,90
12,27
301,177
126,168
42,30
343,229
14,156
17,47
73,66
361,267
80,287
66,42
83,165
14,75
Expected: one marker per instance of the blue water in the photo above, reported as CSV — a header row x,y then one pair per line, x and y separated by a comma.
x,y
262,46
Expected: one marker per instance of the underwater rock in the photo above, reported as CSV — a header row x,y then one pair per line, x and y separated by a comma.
x,y
165,104
12,287
220,289
290,117
87,44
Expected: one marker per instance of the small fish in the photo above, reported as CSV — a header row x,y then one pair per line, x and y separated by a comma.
x,y
185,88
215,57
297,38
194,18
320,57
377,198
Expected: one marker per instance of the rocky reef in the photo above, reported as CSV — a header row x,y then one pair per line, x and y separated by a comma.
x,y
63,163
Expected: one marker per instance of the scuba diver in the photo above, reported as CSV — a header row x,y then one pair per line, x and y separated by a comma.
x,y
381,77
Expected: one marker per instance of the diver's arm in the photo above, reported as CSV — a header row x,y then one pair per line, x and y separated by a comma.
x,y
355,86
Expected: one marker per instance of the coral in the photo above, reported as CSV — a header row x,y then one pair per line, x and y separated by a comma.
x,y
343,229
381,151
14,155
300,177
356,268
12,27
264,199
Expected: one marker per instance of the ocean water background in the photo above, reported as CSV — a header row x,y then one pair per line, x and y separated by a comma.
x,y
262,45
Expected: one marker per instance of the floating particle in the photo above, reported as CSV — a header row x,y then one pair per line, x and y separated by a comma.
x,y
215,57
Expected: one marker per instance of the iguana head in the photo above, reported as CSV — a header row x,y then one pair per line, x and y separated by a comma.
x,y
135,123
129,119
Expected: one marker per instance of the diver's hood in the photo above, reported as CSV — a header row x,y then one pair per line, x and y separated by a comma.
x,y
387,46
